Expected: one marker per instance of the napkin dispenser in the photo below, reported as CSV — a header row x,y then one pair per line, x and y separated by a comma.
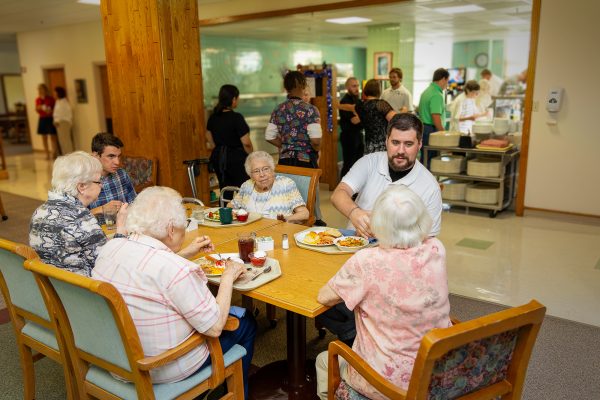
x,y
264,243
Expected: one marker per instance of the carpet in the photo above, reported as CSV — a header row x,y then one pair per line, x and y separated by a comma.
x,y
19,210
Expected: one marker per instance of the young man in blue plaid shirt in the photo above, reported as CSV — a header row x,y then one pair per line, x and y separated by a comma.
x,y
116,184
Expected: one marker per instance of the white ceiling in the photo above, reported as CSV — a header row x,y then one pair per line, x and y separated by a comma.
x,y
27,15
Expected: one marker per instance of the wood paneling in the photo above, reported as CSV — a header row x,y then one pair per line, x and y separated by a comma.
x,y
153,61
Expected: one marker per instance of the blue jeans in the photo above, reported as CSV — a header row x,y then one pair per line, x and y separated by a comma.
x,y
339,320
244,336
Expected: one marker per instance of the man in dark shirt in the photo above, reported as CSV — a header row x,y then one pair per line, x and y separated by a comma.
x,y
352,137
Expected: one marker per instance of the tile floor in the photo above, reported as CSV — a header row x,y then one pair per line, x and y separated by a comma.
x,y
508,260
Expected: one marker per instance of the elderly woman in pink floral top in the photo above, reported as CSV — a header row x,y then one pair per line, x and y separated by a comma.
x,y
398,292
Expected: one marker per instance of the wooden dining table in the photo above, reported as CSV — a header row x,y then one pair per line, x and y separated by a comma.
x,y
304,272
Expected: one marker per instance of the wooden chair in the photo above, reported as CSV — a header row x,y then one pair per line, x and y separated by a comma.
x,y
142,171
101,339
30,318
306,180
483,358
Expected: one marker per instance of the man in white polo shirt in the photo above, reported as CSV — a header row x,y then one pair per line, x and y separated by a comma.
x,y
369,177
373,173
397,95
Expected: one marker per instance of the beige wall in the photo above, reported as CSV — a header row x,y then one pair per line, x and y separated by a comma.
x,y
78,49
563,169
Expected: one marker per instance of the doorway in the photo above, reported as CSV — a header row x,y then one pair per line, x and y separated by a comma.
x,y
55,77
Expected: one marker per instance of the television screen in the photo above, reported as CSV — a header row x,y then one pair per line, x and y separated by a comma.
x,y
457,75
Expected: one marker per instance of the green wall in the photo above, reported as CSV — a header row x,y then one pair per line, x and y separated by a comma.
x,y
400,40
464,53
257,66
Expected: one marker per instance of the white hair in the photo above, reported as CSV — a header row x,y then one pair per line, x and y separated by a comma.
x,y
72,169
258,155
399,218
153,210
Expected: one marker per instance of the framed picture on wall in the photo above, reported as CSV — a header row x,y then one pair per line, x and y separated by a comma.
x,y
382,64
81,91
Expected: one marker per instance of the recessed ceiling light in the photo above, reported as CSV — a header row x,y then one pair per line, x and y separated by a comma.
x,y
459,9
348,20
95,2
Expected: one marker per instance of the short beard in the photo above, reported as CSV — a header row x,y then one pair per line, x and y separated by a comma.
x,y
395,169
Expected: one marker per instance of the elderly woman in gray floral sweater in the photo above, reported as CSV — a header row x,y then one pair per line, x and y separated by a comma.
x,y
63,231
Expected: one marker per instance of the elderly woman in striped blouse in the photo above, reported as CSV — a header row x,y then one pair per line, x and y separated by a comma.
x,y
270,195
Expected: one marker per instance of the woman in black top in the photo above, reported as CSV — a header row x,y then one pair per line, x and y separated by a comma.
x,y
229,136
374,115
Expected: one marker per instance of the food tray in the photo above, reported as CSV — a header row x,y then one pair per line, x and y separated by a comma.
x,y
444,139
252,217
482,193
331,249
453,190
500,149
484,167
248,284
448,164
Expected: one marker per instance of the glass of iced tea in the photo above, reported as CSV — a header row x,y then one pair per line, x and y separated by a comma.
x,y
245,246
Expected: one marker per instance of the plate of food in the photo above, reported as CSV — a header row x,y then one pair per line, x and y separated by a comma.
x,y
212,214
213,265
351,243
319,236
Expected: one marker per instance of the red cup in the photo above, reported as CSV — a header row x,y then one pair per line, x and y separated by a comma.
x,y
242,218
257,261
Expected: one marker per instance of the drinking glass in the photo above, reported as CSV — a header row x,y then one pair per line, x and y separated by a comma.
x,y
225,215
110,216
245,246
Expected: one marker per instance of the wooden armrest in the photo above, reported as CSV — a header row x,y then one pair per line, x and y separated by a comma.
x,y
338,348
454,320
148,363
232,324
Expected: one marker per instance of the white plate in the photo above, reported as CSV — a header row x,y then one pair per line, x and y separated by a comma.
x,y
364,241
300,236
231,256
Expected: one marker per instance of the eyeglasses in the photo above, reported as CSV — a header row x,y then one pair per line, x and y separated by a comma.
x,y
97,182
263,170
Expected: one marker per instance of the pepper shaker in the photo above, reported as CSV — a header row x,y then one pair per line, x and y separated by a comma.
x,y
285,244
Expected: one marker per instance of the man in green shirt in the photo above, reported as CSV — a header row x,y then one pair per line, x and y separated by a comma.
x,y
432,107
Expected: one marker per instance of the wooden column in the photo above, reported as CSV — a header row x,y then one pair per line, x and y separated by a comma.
x,y
155,81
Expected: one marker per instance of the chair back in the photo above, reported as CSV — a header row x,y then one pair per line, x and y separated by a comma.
x,y
142,171
484,358
94,321
306,180
18,285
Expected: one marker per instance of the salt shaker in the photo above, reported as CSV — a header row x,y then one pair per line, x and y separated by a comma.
x,y
253,234
285,244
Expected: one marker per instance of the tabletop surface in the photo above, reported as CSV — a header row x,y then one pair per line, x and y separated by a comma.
x,y
304,271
